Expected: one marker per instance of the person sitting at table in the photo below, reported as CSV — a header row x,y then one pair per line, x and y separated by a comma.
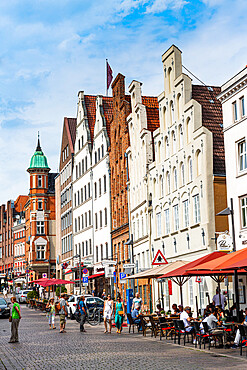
x,y
158,309
220,313
136,317
237,337
175,309
180,309
212,322
185,316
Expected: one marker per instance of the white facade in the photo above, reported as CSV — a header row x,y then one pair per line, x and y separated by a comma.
x,y
91,187
233,98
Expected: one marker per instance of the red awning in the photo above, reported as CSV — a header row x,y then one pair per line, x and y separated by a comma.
x,y
96,275
68,272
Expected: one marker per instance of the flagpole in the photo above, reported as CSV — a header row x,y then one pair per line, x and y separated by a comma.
x,y
106,78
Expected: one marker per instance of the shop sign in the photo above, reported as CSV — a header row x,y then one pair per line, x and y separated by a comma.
x,y
224,243
109,271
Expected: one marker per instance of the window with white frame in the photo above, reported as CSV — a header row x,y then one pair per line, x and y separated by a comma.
x,y
242,155
244,212
167,220
190,169
158,222
235,111
175,176
40,252
40,204
197,215
176,217
242,107
182,174
40,227
186,212
104,183
39,181
168,183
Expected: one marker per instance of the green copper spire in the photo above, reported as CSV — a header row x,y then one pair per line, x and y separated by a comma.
x,y
38,160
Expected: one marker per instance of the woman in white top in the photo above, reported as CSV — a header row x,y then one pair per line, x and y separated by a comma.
x,y
108,309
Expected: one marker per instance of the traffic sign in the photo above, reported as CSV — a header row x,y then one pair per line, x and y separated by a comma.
x,y
122,275
159,259
44,276
129,266
18,274
85,280
109,271
198,279
85,271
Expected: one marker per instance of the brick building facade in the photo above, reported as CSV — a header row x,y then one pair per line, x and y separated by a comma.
x,y
119,202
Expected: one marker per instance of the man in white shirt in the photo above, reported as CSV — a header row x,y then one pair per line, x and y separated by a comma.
x,y
137,301
186,320
219,299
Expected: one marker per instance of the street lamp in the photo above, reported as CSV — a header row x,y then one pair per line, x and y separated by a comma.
x,y
230,212
79,256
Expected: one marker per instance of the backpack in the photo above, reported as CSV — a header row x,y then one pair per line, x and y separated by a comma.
x,y
57,307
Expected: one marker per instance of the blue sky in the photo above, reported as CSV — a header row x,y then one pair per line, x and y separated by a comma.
x,y
50,50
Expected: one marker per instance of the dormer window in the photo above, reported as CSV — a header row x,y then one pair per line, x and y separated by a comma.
x,y
40,204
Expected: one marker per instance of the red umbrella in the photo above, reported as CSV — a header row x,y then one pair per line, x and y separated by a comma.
x,y
61,281
48,282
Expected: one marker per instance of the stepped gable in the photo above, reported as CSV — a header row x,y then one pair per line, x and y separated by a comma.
x,y
90,102
212,119
152,109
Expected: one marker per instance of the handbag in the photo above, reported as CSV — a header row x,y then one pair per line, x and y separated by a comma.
x,y
10,318
120,312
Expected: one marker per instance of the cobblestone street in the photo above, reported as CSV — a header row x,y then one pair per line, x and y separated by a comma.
x,y
41,348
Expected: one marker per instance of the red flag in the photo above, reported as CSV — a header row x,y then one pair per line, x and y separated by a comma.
x,y
109,74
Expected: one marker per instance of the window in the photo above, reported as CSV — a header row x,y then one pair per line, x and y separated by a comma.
x,y
82,166
78,197
86,164
82,195
190,169
242,107
182,174
181,139
85,192
168,183
188,129
97,253
98,154
89,218
197,216
86,248
88,190
95,157
95,190
90,246
101,251
167,148
158,222
186,212
242,156
79,224
75,225
39,181
172,113
175,178
106,249
167,294
244,211
40,252
176,217
191,296
104,183
235,111
167,220
85,217
100,218
99,187
173,143
105,216
40,227
40,205
102,150
82,222
96,221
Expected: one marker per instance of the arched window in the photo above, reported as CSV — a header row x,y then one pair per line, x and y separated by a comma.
x,y
178,105
175,178
159,152
198,162
188,130
160,186
181,137
182,174
167,148
168,183
154,188
169,79
164,118
102,150
190,169
173,143
172,112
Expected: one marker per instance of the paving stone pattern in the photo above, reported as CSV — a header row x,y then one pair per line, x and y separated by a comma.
x,y
41,348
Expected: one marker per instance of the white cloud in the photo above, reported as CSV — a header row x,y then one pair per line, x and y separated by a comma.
x,y
159,6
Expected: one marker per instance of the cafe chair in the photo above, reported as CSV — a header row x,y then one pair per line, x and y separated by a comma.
x,y
243,335
200,335
184,332
176,331
208,333
145,326
164,327
154,326
131,322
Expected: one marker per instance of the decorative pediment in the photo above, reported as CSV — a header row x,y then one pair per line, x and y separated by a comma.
x,y
40,240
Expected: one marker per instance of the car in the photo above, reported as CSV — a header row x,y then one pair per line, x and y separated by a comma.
x,y
90,301
4,308
21,297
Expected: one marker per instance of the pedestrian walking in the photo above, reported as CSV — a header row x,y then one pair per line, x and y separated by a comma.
x,y
108,310
83,312
50,308
5,293
63,312
15,320
119,315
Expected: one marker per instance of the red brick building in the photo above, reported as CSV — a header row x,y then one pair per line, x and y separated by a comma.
x,y
119,202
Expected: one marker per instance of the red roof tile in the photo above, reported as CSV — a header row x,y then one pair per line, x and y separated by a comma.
x,y
152,109
212,119
90,102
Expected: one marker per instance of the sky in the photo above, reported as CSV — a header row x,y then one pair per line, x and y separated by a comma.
x,y
51,49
